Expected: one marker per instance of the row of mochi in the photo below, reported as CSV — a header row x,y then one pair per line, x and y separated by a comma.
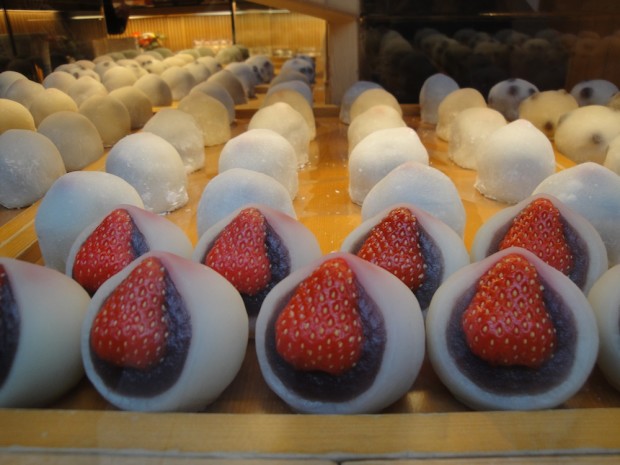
x,y
336,334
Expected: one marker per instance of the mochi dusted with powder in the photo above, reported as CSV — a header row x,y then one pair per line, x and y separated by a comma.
x,y
434,89
507,95
375,118
371,97
110,117
452,104
544,109
210,114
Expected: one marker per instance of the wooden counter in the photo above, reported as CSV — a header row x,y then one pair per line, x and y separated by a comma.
x,y
249,422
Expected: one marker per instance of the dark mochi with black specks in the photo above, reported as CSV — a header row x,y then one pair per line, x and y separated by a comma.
x,y
9,326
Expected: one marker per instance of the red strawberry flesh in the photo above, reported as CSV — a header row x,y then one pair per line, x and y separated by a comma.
x,y
506,322
394,244
320,328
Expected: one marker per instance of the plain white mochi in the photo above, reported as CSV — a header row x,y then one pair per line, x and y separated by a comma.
x,y
349,97
73,202
180,80
371,97
298,102
378,154
154,167
13,115
218,92
210,114
137,103
156,89
29,165
452,104
375,118
50,101
110,117
433,91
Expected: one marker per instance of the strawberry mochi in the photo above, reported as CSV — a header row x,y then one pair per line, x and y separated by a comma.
x,y
340,336
115,239
511,332
254,248
41,314
164,334
553,231
415,246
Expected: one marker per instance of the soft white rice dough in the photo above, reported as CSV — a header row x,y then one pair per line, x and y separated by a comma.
x,y
210,114
7,78
372,97
150,64
352,92
199,71
378,154
262,67
544,109
14,115
180,81
137,103
507,95
29,165
154,167
117,77
612,156
156,89
235,188
265,151
232,84
594,92
86,87
512,161
211,63
289,75
109,116
289,123
433,91
218,92
182,130
47,361
594,192
174,62
298,86
73,202
24,91
452,104
60,80
375,118
421,185
134,66
469,130
103,66
75,136
246,76
298,102
300,65
50,101
584,133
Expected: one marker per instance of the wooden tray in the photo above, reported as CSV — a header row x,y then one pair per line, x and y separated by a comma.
x,y
248,420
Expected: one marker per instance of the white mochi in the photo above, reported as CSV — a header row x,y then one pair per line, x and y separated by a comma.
x,y
544,109
262,66
584,133
86,87
594,192
154,167
349,97
298,102
211,63
433,91
420,185
378,154
7,78
75,136
507,95
372,97
47,360
375,118
512,161
298,86
73,202
289,123
137,103
60,80
14,115
109,116
180,81
29,165
235,188
103,66
469,130
210,114
452,104
199,71
218,92
232,84
300,65
246,76
265,151
183,132
289,75
50,101
156,89
594,92
117,77
24,91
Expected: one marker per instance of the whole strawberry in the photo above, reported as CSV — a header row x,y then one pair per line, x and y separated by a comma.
x,y
320,328
506,322
539,229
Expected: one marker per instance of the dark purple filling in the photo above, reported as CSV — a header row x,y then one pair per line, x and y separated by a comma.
x,y
575,243
159,378
433,259
9,326
318,385
516,380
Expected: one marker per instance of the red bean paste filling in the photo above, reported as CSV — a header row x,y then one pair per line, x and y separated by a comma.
x,y
575,242
433,259
516,380
321,386
157,379
10,323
